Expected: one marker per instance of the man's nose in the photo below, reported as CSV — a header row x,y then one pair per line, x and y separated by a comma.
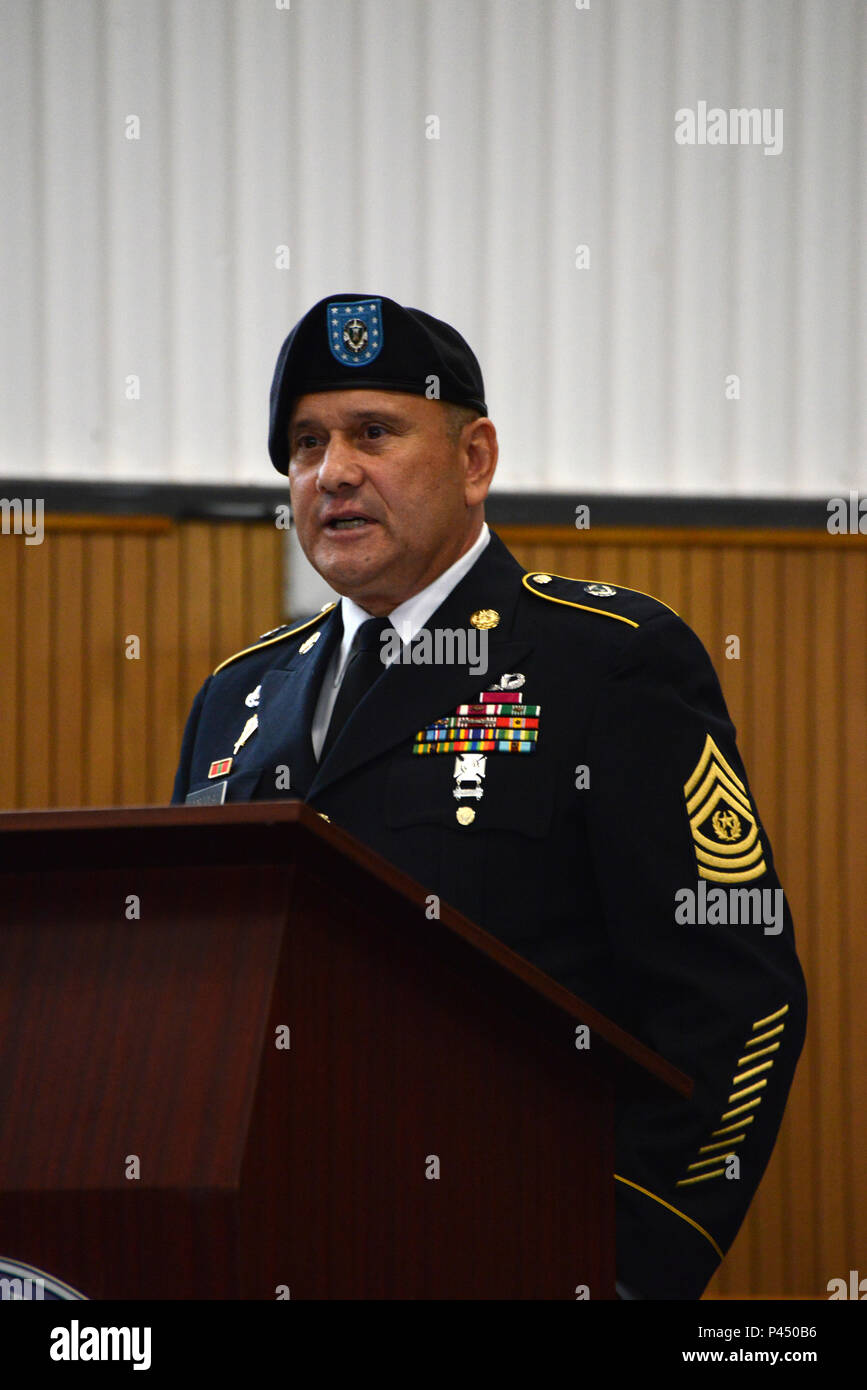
x,y
340,464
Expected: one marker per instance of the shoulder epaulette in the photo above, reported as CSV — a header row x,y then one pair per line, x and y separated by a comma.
x,y
629,606
277,634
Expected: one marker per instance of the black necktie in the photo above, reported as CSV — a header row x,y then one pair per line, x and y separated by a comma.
x,y
362,669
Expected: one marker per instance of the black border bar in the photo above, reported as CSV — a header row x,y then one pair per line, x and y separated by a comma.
x,y
251,502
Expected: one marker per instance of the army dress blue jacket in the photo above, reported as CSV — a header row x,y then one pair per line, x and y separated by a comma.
x,y
581,856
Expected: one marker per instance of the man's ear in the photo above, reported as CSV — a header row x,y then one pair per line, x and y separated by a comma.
x,y
481,452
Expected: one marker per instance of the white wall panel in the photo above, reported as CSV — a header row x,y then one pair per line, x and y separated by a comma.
x,y
306,127
22,280
138,266
700,249
71,243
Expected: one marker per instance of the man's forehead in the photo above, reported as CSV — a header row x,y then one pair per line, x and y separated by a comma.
x,y
358,404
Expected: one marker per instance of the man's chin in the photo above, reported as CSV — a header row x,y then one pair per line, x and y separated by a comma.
x,y
349,573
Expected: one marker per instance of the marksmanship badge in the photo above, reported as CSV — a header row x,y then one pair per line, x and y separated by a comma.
x,y
469,772
355,331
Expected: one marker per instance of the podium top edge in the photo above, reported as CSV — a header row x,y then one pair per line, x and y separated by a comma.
x,y
22,825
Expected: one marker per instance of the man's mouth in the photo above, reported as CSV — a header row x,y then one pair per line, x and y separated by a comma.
x,y
347,523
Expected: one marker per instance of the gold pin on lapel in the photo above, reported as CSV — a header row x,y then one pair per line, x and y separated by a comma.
x,y
249,728
311,642
485,618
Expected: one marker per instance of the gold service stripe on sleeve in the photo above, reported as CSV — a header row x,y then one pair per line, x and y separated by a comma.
x,y
745,1061
760,1022
753,1071
685,1182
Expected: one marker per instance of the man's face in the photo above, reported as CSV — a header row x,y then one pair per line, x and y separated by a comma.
x,y
383,501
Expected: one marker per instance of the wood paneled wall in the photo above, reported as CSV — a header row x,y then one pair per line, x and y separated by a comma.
x,y
82,726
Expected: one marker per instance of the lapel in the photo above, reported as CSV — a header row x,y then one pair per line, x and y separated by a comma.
x,y
406,697
287,703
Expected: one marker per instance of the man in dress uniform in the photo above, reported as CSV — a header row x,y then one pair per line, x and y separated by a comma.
x,y
551,756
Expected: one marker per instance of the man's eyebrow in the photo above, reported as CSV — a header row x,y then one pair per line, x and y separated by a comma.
x,y
390,417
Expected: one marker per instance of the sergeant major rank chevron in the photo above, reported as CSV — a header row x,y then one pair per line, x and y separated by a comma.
x,y
724,828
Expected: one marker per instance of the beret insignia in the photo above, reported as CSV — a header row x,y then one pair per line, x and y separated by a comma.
x,y
355,331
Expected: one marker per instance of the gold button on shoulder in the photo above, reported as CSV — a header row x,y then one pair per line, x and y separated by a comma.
x,y
323,816
541,578
465,815
485,618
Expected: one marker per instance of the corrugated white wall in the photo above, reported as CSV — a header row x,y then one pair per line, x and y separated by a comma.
x,y
306,125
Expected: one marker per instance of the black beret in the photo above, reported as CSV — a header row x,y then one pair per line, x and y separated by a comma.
x,y
363,340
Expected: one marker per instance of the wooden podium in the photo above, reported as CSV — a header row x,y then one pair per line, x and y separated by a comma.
x,y
241,1057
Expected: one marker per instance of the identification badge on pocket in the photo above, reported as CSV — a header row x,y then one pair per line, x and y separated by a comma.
x,y
208,796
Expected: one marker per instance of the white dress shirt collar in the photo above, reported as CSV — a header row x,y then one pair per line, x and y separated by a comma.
x,y
410,616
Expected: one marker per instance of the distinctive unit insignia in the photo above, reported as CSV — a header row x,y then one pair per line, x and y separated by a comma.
x,y
485,618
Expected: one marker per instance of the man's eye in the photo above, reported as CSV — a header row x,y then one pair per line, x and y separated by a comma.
x,y
306,441
380,428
